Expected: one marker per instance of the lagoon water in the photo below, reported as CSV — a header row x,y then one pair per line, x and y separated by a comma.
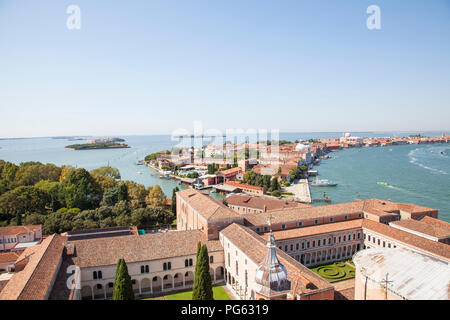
x,y
417,174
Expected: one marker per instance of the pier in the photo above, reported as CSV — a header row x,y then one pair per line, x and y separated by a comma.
x,y
301,191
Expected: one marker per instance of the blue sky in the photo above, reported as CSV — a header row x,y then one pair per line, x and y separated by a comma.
x,y
149,67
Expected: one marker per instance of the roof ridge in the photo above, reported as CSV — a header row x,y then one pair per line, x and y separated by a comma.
x,y
34,271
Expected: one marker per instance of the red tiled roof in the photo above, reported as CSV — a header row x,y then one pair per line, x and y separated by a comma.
x,y
206,206
243,186
316,230
35,280
14,230
107,251
263,203
437,248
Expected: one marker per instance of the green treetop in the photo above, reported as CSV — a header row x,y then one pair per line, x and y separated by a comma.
x,y
123,288
202,282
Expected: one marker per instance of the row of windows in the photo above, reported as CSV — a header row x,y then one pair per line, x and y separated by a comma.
x,y
146,269
133,281
321,242
300,223
248,210
9,240
378,241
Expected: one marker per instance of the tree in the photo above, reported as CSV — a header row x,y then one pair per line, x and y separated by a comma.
x,y
136,194
52,190
110,196
23,200
275,185
122,194
202,282
156,197
266,181
173,205
80,190
107,172
293,172
123,288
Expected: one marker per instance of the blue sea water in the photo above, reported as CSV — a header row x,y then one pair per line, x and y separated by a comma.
x,y
417,174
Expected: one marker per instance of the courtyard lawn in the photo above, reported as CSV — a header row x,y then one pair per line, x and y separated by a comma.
x,y
335,272
218,292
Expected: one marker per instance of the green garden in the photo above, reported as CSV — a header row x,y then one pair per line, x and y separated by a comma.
x,y
218,292
337,271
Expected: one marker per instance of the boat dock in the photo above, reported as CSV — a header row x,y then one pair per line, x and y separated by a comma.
x,y
301,191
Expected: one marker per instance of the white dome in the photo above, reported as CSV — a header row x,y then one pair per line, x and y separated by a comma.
x,y
347,134
301,147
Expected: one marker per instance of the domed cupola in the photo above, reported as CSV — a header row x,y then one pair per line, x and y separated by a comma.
x,y
271,277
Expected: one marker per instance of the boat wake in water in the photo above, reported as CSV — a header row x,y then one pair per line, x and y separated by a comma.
x,y
413,156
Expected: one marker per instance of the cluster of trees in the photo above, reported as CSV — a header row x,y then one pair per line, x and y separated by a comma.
x,y
212,168
66,198
266,181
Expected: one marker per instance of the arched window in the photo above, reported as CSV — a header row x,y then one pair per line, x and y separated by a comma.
x,y
211,259
186,263
191,262
147,269
169,265
100,275
164,266
94,275
237,268
142,269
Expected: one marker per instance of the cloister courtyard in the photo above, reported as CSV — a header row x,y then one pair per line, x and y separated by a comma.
x,y
336,271
219,293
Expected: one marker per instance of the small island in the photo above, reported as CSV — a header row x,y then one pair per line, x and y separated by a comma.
x,y
94,144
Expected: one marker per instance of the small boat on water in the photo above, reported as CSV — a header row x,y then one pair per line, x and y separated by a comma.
x,y
383,184
323,183
139,172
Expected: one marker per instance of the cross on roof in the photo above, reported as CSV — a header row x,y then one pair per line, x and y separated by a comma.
x,y
269,220
385,281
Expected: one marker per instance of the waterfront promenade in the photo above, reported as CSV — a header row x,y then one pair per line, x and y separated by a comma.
x,y
301,190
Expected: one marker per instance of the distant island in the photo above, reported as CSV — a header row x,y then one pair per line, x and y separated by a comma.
x,y
92,144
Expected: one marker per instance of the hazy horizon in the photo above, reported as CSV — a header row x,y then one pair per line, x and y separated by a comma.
x,y
155,66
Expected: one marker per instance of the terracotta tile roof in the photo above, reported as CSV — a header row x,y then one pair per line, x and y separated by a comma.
x,y
436,222
35,280
107,251
386,206
434,247
14,230
316,230
438,229
243,186
297,214
266,204
206,206
254,247
231,171
413,208
8,257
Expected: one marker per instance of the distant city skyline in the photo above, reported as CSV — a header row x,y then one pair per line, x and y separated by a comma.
x,y
153,67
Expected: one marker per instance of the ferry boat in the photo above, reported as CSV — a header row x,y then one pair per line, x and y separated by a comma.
x,y
323,183
383,184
